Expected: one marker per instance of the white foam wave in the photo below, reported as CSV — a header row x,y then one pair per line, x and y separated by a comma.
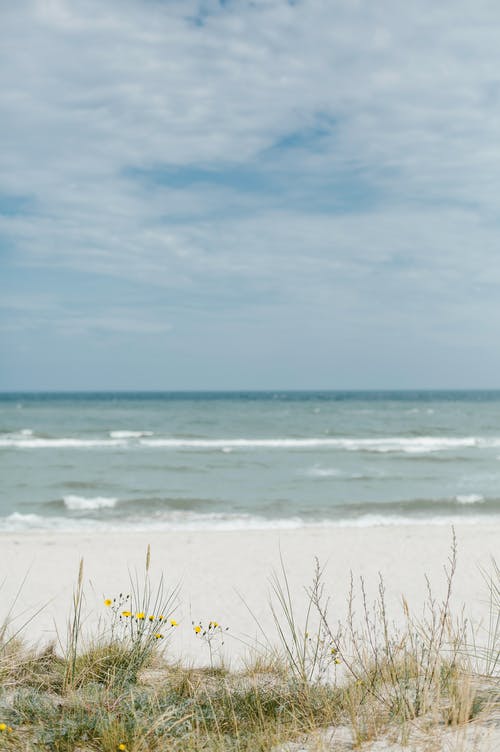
x,y
37,443
374,520
193,521
17,522
23,433
404,445
129,434
469,498
25,520
422,444
323,472
81,503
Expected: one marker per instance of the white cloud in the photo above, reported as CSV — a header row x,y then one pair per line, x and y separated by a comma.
x,y
394,204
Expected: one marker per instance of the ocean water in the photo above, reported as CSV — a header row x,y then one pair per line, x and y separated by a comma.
x,y
248,460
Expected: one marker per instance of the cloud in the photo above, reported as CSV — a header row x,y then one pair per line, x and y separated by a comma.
x,y
39,313
337,158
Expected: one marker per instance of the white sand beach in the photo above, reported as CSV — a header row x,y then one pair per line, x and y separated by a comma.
x,y
219,572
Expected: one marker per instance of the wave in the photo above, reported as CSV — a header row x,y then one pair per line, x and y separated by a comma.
x,y
82,503
470,499
420,445
18,522
158,506
323,472
192,521
333,472
20,433
63,443
460,506
373,520
129,434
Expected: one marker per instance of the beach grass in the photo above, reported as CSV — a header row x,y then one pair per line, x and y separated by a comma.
x,y
317,683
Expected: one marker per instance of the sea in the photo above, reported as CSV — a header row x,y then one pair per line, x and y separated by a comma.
x,y
247,460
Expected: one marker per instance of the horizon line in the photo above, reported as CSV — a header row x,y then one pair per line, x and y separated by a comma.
x,y
304,390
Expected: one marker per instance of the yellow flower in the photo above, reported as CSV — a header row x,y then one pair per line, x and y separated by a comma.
x,y
151,618
122,748
3,727
197,629
140,615
108,602
161,617
126,613
159,636
174,623
337,661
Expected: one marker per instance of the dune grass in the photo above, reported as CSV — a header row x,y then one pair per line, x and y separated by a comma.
x,y
367,675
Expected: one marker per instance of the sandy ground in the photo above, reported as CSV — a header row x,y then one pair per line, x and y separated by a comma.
x,y
220,572
479,736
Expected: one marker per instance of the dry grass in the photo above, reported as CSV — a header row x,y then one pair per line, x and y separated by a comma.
x,y
367,677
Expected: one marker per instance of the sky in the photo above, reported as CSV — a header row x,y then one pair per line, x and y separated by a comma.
x,y
261,194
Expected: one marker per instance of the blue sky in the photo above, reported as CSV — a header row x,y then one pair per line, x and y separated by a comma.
x,y
266,194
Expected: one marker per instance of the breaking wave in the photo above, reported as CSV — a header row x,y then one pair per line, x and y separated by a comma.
x,y
62,443
129,434
403,445
192,521
82,503
422,444
470,499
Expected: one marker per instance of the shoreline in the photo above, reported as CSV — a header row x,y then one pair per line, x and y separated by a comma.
x,y
248,523
225,574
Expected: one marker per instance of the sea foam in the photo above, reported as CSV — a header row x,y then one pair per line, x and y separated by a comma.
x,y
422,444
470,498
119,439
193,521
322,472
129,434
62,443
81,503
